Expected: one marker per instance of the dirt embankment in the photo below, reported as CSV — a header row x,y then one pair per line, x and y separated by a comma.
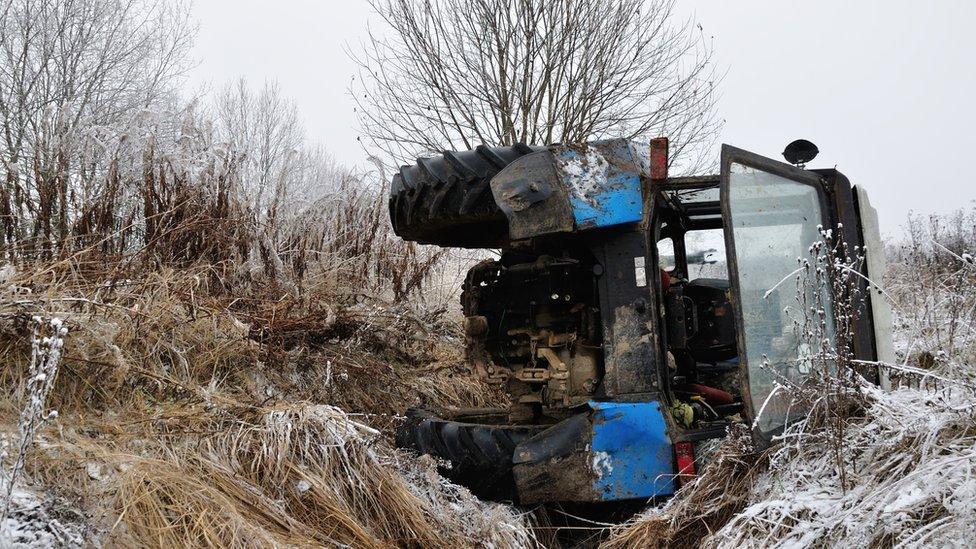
x,y
189,416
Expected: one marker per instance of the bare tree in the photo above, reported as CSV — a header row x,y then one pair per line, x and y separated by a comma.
x,y
68,67
264,127
453,74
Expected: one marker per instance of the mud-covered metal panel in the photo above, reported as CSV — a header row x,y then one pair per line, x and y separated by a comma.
x,y
630,334
602,180
615,451
572,188
530,194
554,465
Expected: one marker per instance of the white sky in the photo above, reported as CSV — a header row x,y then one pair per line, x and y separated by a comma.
x,y
885,89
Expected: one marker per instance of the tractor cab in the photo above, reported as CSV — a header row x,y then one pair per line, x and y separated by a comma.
x,y
632,317
731,247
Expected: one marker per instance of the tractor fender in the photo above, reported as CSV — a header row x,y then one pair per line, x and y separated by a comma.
x,y
567,188
613,451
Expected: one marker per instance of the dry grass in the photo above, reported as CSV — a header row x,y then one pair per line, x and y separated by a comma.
x,y
190,417
165,334
237,476
218,344
304,475
721,490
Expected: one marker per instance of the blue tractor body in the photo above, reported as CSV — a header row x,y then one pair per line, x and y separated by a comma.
x,y
621,345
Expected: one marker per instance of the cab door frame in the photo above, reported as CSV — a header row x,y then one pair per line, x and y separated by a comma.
x,y
732,155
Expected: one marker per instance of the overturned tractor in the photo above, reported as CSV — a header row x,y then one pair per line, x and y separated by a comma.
x,y
631,316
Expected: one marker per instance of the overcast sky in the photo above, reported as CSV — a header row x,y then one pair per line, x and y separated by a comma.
x,y
885,89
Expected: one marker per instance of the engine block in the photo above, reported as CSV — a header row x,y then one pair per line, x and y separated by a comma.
x,y
532,322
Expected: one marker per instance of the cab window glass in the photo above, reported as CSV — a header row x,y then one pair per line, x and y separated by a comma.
x,y
774,222
705,251
665,254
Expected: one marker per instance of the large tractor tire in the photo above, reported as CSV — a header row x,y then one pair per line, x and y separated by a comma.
x,y
446,200
480,454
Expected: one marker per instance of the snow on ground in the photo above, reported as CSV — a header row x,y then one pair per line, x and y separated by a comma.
x,y
908,480
36,521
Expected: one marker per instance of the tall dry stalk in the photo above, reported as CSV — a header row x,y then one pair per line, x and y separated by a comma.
x,y
830,298
47,341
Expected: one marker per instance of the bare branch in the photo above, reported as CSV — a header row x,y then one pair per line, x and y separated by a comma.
x,y
453,74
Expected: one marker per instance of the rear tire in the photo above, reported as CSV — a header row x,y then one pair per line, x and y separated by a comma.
x,y
480,454
446,200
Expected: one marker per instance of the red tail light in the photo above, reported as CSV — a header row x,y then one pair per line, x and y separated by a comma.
x,y
684,454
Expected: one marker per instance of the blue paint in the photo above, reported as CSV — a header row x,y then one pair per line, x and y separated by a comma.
x,y
603,186
609,206
631,450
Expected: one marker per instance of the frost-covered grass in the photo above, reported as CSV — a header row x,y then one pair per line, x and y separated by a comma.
x,y
932,278
909,479
36,521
